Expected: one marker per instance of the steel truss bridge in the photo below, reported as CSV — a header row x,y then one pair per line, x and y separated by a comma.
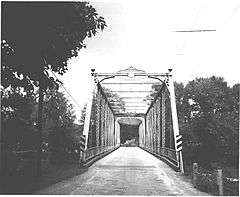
x,y
129,95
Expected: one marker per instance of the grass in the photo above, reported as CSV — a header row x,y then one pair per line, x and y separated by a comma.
x,y
207,182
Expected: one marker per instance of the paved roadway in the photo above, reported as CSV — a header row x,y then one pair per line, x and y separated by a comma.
x,y
126,171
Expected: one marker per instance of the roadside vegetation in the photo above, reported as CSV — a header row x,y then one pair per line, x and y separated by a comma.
x,y
37,120
208,114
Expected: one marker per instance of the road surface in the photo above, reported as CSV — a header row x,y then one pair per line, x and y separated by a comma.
x,y
126,171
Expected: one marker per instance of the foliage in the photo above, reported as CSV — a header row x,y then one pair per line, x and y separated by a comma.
x,y
208,119
63,135
58,109
64,143
155,89
17,118
16,102
50,31
129,132
18,135
57,143
114,100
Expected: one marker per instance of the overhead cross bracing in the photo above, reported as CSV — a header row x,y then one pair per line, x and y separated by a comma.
x,y
132,87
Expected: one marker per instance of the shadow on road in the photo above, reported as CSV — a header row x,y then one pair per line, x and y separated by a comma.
x,y
23,184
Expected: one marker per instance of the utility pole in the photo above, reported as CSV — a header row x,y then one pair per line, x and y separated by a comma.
x,y
40,122
2,152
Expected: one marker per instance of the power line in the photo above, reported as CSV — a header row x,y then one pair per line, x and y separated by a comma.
x,y
196,30
67,91
197,14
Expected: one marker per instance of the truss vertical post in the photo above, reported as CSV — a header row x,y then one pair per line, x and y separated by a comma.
x,y
163,118
103,122
98,117
151,129
118,134
107,127
113,128
158,126
154,128
103,118
87,123
144,132
145,141
175,120
87,126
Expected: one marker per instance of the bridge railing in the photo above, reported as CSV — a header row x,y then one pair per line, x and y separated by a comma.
x,y
94,151
168,153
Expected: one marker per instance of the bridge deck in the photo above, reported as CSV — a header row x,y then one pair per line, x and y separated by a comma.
x,y
126,171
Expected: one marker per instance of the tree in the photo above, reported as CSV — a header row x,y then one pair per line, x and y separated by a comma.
x,y
17,118
208,119
50,34
50,31
17,103
155,89
58,109
59,123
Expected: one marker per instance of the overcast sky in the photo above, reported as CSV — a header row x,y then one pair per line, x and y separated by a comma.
x,y
141,34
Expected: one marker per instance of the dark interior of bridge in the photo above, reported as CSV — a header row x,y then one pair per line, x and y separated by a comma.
x,y
129,134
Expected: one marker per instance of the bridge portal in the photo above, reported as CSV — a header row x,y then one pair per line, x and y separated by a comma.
x,y
129,130
132,103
